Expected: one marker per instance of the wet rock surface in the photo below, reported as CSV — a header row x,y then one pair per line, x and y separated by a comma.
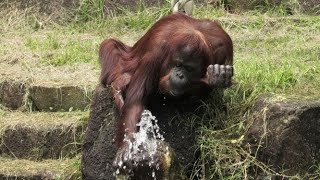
x,y
98,149
176,126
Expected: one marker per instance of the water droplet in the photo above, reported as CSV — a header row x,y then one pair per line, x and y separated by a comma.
x,y
120,164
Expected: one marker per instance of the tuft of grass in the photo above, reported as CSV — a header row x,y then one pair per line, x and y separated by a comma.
x,y
89,10
56,50
25,169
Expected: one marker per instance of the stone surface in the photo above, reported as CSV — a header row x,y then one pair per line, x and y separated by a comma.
x,y
12,93
64,98
285,133
16,94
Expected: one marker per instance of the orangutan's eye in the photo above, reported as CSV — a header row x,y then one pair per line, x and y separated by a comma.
x,y
189,68
178,64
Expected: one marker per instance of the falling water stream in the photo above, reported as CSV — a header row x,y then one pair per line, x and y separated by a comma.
x,y
146,139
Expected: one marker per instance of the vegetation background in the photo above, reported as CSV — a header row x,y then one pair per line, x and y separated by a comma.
x,y
276,45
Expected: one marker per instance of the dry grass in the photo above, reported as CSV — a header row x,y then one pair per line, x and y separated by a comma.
x,y
59,169
19,62
51,55
41,120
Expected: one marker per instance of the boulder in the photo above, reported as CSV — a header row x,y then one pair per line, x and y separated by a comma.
x,y
284,133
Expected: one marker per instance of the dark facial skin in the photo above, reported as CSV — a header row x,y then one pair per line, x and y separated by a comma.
x,y
191,75
185,71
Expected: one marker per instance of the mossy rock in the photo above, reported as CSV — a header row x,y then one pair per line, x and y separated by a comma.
x,y
63,98
285,134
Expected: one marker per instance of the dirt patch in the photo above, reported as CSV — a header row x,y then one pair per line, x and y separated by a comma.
x,y
290,7
310,6
49,8
115,7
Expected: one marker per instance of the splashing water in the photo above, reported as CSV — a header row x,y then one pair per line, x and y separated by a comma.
x,y
146,139
148,132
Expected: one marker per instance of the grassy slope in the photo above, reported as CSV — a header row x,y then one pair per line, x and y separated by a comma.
x,y
273,53
64,168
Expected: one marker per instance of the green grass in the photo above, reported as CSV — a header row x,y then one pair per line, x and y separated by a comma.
x,y
273,53
61,49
